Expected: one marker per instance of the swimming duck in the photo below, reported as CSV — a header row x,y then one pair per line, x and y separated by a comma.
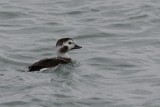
x,y
63,45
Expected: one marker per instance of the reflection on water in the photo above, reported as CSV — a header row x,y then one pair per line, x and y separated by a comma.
x,y
118,65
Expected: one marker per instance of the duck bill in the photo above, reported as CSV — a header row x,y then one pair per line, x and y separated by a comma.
x,y
77,47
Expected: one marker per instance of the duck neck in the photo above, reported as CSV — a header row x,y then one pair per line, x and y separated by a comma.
x,y
63,55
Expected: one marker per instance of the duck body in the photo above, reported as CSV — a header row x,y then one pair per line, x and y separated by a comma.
x,y
63,46
48,62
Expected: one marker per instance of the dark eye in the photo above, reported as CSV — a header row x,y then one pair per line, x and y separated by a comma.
x,y
69,43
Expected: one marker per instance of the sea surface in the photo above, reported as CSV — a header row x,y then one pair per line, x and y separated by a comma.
x,y
118,66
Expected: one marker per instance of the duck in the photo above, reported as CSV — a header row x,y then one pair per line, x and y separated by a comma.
x,y
63,46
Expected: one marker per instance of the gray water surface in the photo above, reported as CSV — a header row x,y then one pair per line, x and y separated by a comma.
x,y
118,66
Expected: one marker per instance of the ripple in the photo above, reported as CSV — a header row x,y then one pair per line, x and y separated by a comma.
x,y
75,12
141,92
114,62
8,15
126,26
93,102
14,103
52,23
138,17
98,35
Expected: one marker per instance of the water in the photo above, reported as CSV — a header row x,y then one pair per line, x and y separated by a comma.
x,y
118,65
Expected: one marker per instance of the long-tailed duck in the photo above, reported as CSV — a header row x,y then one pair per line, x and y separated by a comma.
x,y
63,45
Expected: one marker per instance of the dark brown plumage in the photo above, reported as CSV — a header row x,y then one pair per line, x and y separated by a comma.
x,y
47,63
64,49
